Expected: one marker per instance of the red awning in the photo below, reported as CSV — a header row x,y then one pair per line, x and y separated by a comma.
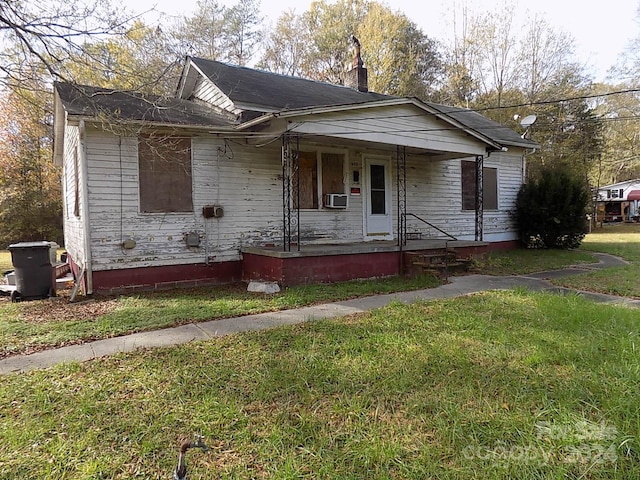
x,y
633,195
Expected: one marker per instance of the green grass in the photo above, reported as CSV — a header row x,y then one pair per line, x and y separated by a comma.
x,y
29,326
522,261
32,326
622,240
621,281
5,261
494,386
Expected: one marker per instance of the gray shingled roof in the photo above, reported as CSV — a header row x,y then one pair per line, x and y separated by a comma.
x,y
475,121
271,91
267,91
89,101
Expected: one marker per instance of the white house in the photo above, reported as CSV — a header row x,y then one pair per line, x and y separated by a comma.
x,y
618,201
251,175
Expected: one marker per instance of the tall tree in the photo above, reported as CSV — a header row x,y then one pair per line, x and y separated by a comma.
x,y
222,33
546,57
495,52
505,75
285,46
30,201
328,26
139,60
202,34
621,156
45,36
243,31
461,84
400,58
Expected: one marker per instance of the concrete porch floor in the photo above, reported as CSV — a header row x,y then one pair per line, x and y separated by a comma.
x,y
382,246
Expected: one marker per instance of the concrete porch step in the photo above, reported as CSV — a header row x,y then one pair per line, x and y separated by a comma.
x,y
433,258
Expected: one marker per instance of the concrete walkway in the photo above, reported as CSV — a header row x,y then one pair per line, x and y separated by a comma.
x,y
458,286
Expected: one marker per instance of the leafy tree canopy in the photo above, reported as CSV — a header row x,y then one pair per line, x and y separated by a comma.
x,y
30,203
400,58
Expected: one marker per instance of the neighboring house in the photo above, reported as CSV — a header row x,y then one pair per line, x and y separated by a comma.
x,y
618,202
249,175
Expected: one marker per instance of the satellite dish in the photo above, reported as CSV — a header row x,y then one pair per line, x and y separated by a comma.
x,y
529,120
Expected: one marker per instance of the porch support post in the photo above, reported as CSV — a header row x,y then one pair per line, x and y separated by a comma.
x,y
290,184
401,175
479,197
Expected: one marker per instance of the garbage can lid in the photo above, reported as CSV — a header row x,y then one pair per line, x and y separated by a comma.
x,y
41,244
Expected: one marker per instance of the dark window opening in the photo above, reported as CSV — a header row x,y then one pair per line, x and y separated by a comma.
x,y
378,193
489,186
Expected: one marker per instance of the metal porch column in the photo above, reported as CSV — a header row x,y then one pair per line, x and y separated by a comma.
x,y
479,197
401,175
290,187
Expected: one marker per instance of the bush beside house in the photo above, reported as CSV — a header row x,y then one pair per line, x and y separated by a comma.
x,y
551,209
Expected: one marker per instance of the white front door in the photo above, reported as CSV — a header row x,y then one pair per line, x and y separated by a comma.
x,y
377,222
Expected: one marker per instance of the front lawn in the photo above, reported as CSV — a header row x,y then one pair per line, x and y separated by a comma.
x,y
495,385
622,240
522,261
35,325
30,326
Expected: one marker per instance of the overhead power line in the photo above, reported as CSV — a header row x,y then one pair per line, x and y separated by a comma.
x,y
561,100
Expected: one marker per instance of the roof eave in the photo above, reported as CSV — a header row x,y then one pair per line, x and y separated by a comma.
x,y
174,126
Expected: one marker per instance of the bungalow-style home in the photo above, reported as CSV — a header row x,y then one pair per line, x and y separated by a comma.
x,y
249,175
618,202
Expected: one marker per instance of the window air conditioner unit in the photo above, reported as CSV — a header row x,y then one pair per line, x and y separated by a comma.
x,y
336,200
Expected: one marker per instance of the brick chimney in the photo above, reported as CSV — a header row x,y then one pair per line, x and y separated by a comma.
x,y
356,76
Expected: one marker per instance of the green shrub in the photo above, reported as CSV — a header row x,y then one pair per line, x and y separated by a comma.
x,y
551,209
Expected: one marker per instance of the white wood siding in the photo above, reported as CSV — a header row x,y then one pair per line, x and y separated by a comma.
x,y
73,232
247,182
206,91
434,192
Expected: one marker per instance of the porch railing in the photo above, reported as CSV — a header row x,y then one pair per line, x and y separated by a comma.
x,y
403,241
431,225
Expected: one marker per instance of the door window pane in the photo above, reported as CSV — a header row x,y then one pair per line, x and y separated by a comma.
x,y
378,193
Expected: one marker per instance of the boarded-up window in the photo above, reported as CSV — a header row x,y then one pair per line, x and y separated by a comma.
x,y
308,181
165,174
489,187
331,174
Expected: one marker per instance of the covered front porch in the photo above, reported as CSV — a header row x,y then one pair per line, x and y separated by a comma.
x,y
367,188
349,261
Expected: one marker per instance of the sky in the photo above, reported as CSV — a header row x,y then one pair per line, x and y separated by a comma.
x,y
601,29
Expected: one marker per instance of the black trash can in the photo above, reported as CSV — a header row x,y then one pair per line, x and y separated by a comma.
x,y
33,270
